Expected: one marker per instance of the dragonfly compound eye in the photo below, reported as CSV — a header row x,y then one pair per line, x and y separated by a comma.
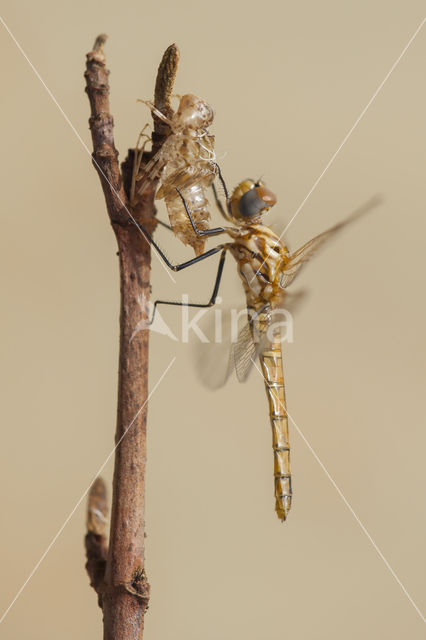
x,y
255,201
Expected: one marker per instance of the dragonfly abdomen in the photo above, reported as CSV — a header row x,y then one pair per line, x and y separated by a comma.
x,y
272,368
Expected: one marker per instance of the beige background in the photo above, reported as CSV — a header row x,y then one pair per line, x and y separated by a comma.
x,y
287,81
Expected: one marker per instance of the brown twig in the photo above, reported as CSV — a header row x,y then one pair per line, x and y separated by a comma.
x,y
123,589
163,93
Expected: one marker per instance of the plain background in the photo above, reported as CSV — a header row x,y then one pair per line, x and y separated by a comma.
x,y
287,81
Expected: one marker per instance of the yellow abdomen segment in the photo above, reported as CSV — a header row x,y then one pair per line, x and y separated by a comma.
x,y
272,369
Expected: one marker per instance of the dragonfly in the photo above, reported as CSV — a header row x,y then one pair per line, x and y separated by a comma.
x,y
266,268
186,160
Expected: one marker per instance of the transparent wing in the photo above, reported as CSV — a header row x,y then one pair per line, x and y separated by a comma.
x,y
216,359
243,353
299,257
252,340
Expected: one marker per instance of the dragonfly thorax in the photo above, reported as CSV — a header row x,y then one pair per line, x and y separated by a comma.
x,y
261,258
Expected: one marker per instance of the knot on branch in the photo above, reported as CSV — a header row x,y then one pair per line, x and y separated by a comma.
x,y
141,595
102,125
140,583
93,84
139,587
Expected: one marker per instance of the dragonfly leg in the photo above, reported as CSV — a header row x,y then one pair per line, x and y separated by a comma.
x,y
157,112
205,232
221,178
162,255
218,202
213,297
226,192
164,224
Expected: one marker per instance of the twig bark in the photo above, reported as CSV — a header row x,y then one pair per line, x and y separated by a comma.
x,y
123,589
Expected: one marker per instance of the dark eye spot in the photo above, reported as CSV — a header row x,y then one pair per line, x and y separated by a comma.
x,y
250,204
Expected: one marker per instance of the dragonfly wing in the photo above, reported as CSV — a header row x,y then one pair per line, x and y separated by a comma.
x,y
251,341
218,357
227,349
299,257
243,353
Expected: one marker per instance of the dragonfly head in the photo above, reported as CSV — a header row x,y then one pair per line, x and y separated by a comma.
x,y
249,200
193,113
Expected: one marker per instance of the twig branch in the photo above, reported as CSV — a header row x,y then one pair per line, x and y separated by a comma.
x,y
163,93
101,122
123,590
